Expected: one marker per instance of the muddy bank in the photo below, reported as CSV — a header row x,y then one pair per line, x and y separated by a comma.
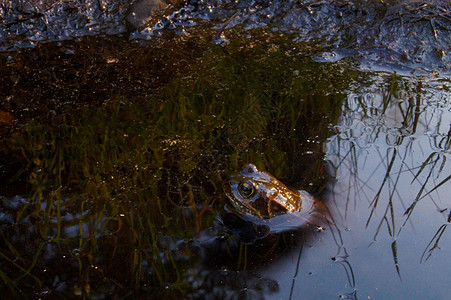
x,y
411,34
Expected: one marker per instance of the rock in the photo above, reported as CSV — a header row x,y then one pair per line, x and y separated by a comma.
x,y
141,12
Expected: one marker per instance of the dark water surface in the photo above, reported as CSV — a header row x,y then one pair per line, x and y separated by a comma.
x,y
114,149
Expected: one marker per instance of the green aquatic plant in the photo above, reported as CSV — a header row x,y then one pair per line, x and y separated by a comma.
x,y
122,189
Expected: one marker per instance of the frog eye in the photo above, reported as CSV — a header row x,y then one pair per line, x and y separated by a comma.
x,y
246,189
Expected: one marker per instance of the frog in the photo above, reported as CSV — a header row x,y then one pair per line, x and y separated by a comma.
x,y
258,197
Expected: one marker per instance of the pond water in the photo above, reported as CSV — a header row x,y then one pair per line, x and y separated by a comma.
x,y
391,217
114,150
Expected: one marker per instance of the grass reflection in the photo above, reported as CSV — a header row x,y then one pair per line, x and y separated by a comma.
x,y
434,243
397,130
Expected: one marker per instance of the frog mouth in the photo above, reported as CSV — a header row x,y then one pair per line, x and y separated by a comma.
x,y
243,207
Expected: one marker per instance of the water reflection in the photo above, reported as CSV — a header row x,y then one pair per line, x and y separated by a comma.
x,y
389,202
389,154
408,131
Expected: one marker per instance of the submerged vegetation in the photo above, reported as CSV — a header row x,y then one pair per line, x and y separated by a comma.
x,y
115,197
